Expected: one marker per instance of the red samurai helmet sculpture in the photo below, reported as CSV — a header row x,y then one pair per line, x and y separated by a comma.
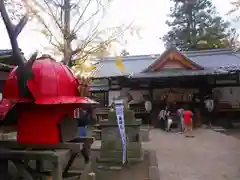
x,y
45,93
48,82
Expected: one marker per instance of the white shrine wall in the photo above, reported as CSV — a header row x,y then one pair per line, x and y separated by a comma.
x,y
137,95
229,95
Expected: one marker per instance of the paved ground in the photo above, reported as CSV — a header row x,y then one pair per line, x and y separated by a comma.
x,y
234,132
209,156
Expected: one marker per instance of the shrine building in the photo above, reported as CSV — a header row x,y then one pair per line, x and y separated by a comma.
x,y
173,77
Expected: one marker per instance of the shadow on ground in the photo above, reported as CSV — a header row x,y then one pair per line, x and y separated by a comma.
x,y
138,171
233,132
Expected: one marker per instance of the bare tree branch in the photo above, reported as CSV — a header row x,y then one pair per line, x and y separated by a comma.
x,y
79,25
87,40
95,34
62,13
47,10
81,16
94,14
98,47
53,16
43,23
18,28
33,56
12,36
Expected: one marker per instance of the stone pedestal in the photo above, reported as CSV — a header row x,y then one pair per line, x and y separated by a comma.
x,y
111,146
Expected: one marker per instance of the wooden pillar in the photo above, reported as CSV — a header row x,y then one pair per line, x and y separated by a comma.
x,y
237,77
152,117
151,90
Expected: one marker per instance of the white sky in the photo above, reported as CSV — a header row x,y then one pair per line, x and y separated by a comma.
x,y
149,15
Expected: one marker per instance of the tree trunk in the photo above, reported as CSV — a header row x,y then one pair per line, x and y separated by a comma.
x,y
67,33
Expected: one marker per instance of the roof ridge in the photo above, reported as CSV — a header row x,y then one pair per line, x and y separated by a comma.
x,y
210,50
187,53
207,52
235,54
5,51
134,57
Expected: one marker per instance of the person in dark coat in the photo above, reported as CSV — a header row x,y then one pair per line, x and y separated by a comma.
x,y
82,118
83,122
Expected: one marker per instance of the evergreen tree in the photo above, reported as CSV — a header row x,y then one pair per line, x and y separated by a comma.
x,y
195,24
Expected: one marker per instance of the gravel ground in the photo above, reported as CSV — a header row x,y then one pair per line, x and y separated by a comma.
x,y
209,156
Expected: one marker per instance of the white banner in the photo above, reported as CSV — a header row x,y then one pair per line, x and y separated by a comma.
x,y
119,107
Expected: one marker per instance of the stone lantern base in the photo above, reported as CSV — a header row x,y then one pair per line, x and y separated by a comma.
x,y
111,147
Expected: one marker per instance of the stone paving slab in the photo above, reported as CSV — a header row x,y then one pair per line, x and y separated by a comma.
x,y
209,156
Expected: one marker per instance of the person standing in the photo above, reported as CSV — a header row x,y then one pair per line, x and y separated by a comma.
x,y
188,123
148,108
180,114
163,118
169,121
82,117
209,104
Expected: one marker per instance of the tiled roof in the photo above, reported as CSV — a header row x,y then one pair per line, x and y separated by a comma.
x,y
5,55
99,85
180,72
215,60
6,58
133,64
5,52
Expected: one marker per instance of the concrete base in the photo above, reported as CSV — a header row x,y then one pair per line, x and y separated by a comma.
x,y
8,136
118,160
153,170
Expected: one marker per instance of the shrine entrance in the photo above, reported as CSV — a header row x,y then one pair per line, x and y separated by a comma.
x,y
174,99
176,82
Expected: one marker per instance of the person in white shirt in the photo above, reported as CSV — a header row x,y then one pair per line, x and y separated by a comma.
x,y
209,104
161,117
165,119
169,121
180,114
162,114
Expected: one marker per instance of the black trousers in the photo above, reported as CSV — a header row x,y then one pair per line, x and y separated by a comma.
x,y
209,118
162,124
